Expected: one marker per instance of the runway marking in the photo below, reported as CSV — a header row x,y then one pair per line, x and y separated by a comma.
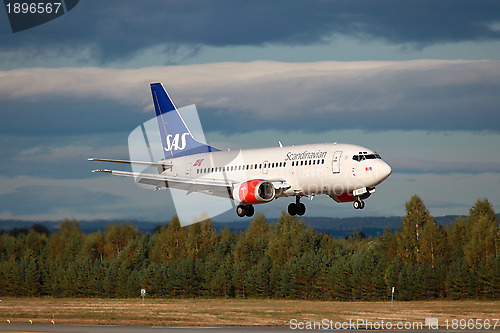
x,y
185,327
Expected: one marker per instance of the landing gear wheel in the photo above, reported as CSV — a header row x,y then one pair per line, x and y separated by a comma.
x,y
245,210
249,210
296,208
301,209
358,204
240,211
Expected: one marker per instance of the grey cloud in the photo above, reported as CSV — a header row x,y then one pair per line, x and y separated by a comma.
x,y
245,97
413,96
115,29
57,156
53,199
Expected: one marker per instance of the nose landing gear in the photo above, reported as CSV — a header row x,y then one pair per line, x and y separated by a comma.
x,y
361,194
297,207
358,203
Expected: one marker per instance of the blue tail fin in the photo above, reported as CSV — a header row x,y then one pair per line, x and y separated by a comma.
x,y
176,138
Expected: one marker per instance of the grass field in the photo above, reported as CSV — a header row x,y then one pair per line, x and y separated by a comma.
x,y
233,312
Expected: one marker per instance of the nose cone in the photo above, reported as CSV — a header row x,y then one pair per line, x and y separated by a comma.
x,y
385,171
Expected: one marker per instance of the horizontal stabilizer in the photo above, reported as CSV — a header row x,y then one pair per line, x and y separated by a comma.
x,y
164,165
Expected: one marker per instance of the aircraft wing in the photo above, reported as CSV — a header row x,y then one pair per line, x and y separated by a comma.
x,y
212,186
218,187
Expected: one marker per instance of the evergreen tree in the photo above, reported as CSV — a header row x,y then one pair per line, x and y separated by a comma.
x,y
488,277
221,283
286,259
459,280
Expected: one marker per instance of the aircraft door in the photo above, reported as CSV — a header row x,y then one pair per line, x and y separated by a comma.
x,y
336,162
188,169
264,167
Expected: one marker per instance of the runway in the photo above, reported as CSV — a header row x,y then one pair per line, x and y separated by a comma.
x,y
47,328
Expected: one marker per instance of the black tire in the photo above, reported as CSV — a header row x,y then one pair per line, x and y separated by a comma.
x,y
301,209
356,204
292,209
249,210
362,205
241,211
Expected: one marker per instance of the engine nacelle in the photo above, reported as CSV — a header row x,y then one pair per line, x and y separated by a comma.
x,y
254,191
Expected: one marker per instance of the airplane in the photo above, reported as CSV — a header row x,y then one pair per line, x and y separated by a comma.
x,y
345,172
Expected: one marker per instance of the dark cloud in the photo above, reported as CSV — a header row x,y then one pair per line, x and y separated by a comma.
x,y
116,29
68,116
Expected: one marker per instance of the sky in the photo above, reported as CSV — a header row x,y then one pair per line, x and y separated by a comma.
x,y
416,81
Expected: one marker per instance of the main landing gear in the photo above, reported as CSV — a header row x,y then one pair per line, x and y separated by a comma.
x,y
297,208
245,210
358,203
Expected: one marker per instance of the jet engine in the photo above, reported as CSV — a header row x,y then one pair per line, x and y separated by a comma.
x,y
254,191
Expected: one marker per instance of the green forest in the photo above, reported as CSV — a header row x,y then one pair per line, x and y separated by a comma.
x,y
283,259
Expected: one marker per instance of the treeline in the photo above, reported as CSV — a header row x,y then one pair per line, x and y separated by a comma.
x,y
284,259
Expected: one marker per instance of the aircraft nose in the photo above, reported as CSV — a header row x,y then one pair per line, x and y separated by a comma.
x,y
385,171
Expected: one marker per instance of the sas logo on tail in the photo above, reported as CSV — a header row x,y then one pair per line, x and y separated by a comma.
x,y
173,142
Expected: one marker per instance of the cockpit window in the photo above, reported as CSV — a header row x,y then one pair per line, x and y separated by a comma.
x,y
364,156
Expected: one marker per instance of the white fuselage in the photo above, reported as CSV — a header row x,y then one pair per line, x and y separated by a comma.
x,y
308,169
